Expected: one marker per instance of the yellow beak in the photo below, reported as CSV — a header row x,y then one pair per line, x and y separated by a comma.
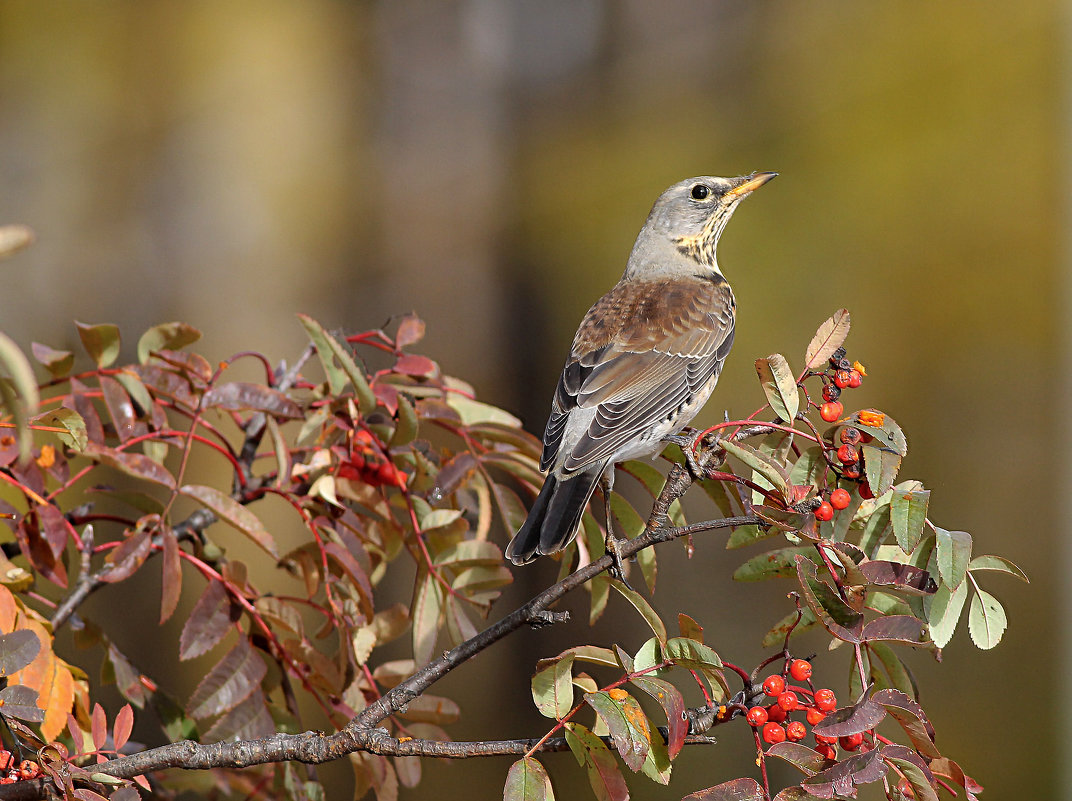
x,y
749,184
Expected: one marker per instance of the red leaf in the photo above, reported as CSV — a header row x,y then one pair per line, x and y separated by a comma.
x,y
131,554
233,513
133,464
607,782
171,579
119,407
673,704
124,724
38,552
419,366
736,790
229,683
99,727
410,330
210,620
854,719
902,628
243,396
842,778
56,529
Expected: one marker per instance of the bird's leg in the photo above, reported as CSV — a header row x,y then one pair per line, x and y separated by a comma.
x,y
606,483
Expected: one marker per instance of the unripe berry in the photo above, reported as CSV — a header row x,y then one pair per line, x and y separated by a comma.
x,y
773,685
850,742
831,392
756,716
815,717
773,733
827,752
800,669
775,714
848,454
795,731
840,498
831,411
850,435
824,511
788,701
825,700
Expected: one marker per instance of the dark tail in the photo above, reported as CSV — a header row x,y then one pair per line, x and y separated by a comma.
x,y
554,517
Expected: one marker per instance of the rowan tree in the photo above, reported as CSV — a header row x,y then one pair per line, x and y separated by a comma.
x,y
386,464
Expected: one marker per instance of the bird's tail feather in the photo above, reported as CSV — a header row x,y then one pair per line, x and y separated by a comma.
x,y
554,517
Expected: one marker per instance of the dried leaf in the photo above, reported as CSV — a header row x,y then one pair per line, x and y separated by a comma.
x,y
133,464
229,683
212,617
830,336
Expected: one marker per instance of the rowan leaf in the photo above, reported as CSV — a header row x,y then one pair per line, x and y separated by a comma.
x,y
912,718
133,464
999,563
943,612
734,790
17,650
238,396
807,760
954,554
552,689
123,726
233,513
526,781
607,782
230,682
427,610
859,717
779,385
100,341
908,511
651,617
830,336
22,703
212,617
330,351
166,336
673,703
986,620
19,393
626,722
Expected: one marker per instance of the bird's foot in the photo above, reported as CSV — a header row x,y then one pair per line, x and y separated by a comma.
x,y
617,568
688,440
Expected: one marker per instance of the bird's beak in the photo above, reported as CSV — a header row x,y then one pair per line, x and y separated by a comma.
x,y
748,184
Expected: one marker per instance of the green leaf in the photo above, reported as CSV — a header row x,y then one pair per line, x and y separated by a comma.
x,y
986,620
603,774
954,553
427,609
166,336
776,635
474,412
650,616
100,341
779,563
233,513
999,563
830,336
75,436
626,722
876,530
671,700
779,385
657,765
943,612
908,510
552,688
899,674
528,781
20,396
330,350
406,430
762,464
57,362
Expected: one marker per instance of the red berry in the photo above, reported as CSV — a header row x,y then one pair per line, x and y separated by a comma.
x,y
852,471
825,700
842,379
848,454
28,769
800,669
831,392
850,435
756,716
773,685
865,491
773,733
831,411
788,701
827,752
775,714
904,787
815,716
840,498
850,742
855,379
795,731
824,511
822,739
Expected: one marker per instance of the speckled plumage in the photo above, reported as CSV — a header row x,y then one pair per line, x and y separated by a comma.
x,y
643,362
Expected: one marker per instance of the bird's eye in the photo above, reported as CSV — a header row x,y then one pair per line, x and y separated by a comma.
x,y
699,192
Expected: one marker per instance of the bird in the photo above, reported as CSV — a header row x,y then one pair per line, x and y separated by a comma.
x,y
645,359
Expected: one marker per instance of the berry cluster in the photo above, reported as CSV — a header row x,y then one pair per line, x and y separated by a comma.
x,y
773,720
13,772
366,461
842,374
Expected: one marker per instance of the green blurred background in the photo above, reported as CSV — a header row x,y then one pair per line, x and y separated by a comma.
x,y
488,164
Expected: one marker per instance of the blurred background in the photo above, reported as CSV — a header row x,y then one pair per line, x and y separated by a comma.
x,y
488,163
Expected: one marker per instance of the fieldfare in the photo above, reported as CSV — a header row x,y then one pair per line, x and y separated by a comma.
x,y
645,359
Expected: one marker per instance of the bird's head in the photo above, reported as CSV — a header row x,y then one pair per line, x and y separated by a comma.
x,y
687,220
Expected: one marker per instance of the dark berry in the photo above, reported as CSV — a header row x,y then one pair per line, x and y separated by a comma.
x,y
825,700
842,379
795,731
840,498
824,511
850,435
756,716
843,364
850,742
852,471
831,392
800,669
837,356
773,733
774,685
848,454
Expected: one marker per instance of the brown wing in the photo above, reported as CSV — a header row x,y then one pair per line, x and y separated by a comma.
x,y
642,352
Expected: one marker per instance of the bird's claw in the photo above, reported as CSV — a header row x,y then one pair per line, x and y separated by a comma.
x,y
617,568
688,443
